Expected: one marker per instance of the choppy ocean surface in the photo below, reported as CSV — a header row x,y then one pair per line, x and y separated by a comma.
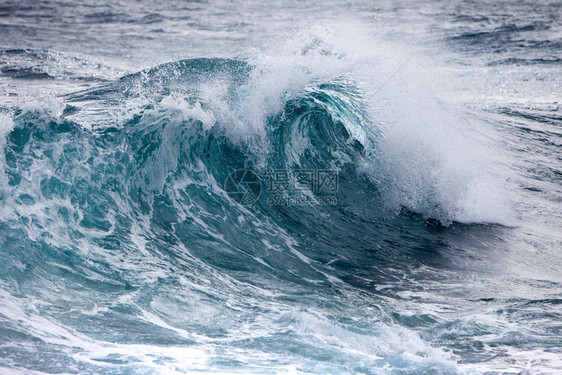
x,y
280,187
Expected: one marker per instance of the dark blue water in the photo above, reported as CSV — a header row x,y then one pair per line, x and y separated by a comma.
x,y
280,188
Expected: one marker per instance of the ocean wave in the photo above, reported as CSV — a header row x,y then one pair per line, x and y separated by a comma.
x,y
123,195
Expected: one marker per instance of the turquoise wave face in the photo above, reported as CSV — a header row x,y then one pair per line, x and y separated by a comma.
x,y
128,233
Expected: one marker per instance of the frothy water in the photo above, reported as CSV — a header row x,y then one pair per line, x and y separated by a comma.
x,y
280,188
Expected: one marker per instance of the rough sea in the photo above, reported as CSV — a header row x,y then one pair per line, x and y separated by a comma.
x,y
280,187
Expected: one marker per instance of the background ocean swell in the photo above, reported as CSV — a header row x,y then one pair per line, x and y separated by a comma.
x,y
124,254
